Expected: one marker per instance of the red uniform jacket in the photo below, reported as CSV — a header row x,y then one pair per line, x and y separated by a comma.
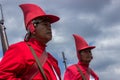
x,y
18,59
72,73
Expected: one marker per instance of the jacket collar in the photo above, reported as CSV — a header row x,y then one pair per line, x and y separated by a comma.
x,y
36,44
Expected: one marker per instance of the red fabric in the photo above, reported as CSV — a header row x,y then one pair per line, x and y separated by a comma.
x,y
18,59
72,73
32,11
31,27
81,43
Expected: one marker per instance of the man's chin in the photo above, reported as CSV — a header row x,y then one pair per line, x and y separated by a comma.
x,y
88,61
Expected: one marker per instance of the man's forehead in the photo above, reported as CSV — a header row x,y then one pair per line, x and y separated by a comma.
x,y
41,19
88,49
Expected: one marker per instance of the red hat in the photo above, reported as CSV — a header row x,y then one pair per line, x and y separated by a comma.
x,y
81,44
32,11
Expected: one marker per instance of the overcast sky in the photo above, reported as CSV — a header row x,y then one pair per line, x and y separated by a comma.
x,y
98,21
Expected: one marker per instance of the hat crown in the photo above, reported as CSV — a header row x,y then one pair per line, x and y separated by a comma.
x,y
30,12
81,44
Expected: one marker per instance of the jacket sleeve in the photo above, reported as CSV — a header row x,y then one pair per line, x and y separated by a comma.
x,y
11,64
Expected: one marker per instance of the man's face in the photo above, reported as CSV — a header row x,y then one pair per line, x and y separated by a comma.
x,y
86,56
43,31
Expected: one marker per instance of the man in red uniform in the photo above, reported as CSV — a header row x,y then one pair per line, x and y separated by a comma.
x,y
19,62
81,71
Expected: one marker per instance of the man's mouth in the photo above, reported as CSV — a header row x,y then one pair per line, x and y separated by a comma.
x,y
50,33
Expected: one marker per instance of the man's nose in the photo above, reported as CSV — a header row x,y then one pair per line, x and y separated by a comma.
x,y
48,26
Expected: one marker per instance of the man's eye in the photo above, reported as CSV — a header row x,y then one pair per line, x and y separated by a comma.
x,y
46,24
